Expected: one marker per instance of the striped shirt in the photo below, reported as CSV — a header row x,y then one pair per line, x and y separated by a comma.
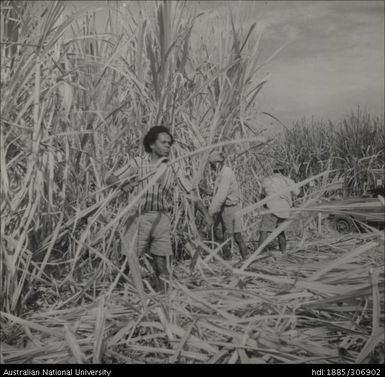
x,y
159,196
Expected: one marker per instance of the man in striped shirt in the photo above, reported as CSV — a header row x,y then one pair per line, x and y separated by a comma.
x,y
154,223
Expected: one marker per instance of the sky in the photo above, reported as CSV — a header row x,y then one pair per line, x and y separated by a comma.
x,y
333,61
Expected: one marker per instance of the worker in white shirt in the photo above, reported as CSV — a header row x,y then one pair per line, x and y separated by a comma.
x,y
279,205
226,204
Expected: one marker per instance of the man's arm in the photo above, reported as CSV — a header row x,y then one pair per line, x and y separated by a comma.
x,y
221,195
126,173
295,191
198,205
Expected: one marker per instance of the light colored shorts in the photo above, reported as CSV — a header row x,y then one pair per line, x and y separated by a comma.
x,y
279,207
270,222
232,220
154,230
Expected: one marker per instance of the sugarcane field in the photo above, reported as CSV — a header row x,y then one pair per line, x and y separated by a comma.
x,y
191,182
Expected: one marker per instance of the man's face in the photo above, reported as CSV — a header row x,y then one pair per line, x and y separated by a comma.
x,y
162,145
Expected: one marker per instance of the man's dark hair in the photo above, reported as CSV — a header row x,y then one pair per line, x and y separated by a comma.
x,y
152,135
